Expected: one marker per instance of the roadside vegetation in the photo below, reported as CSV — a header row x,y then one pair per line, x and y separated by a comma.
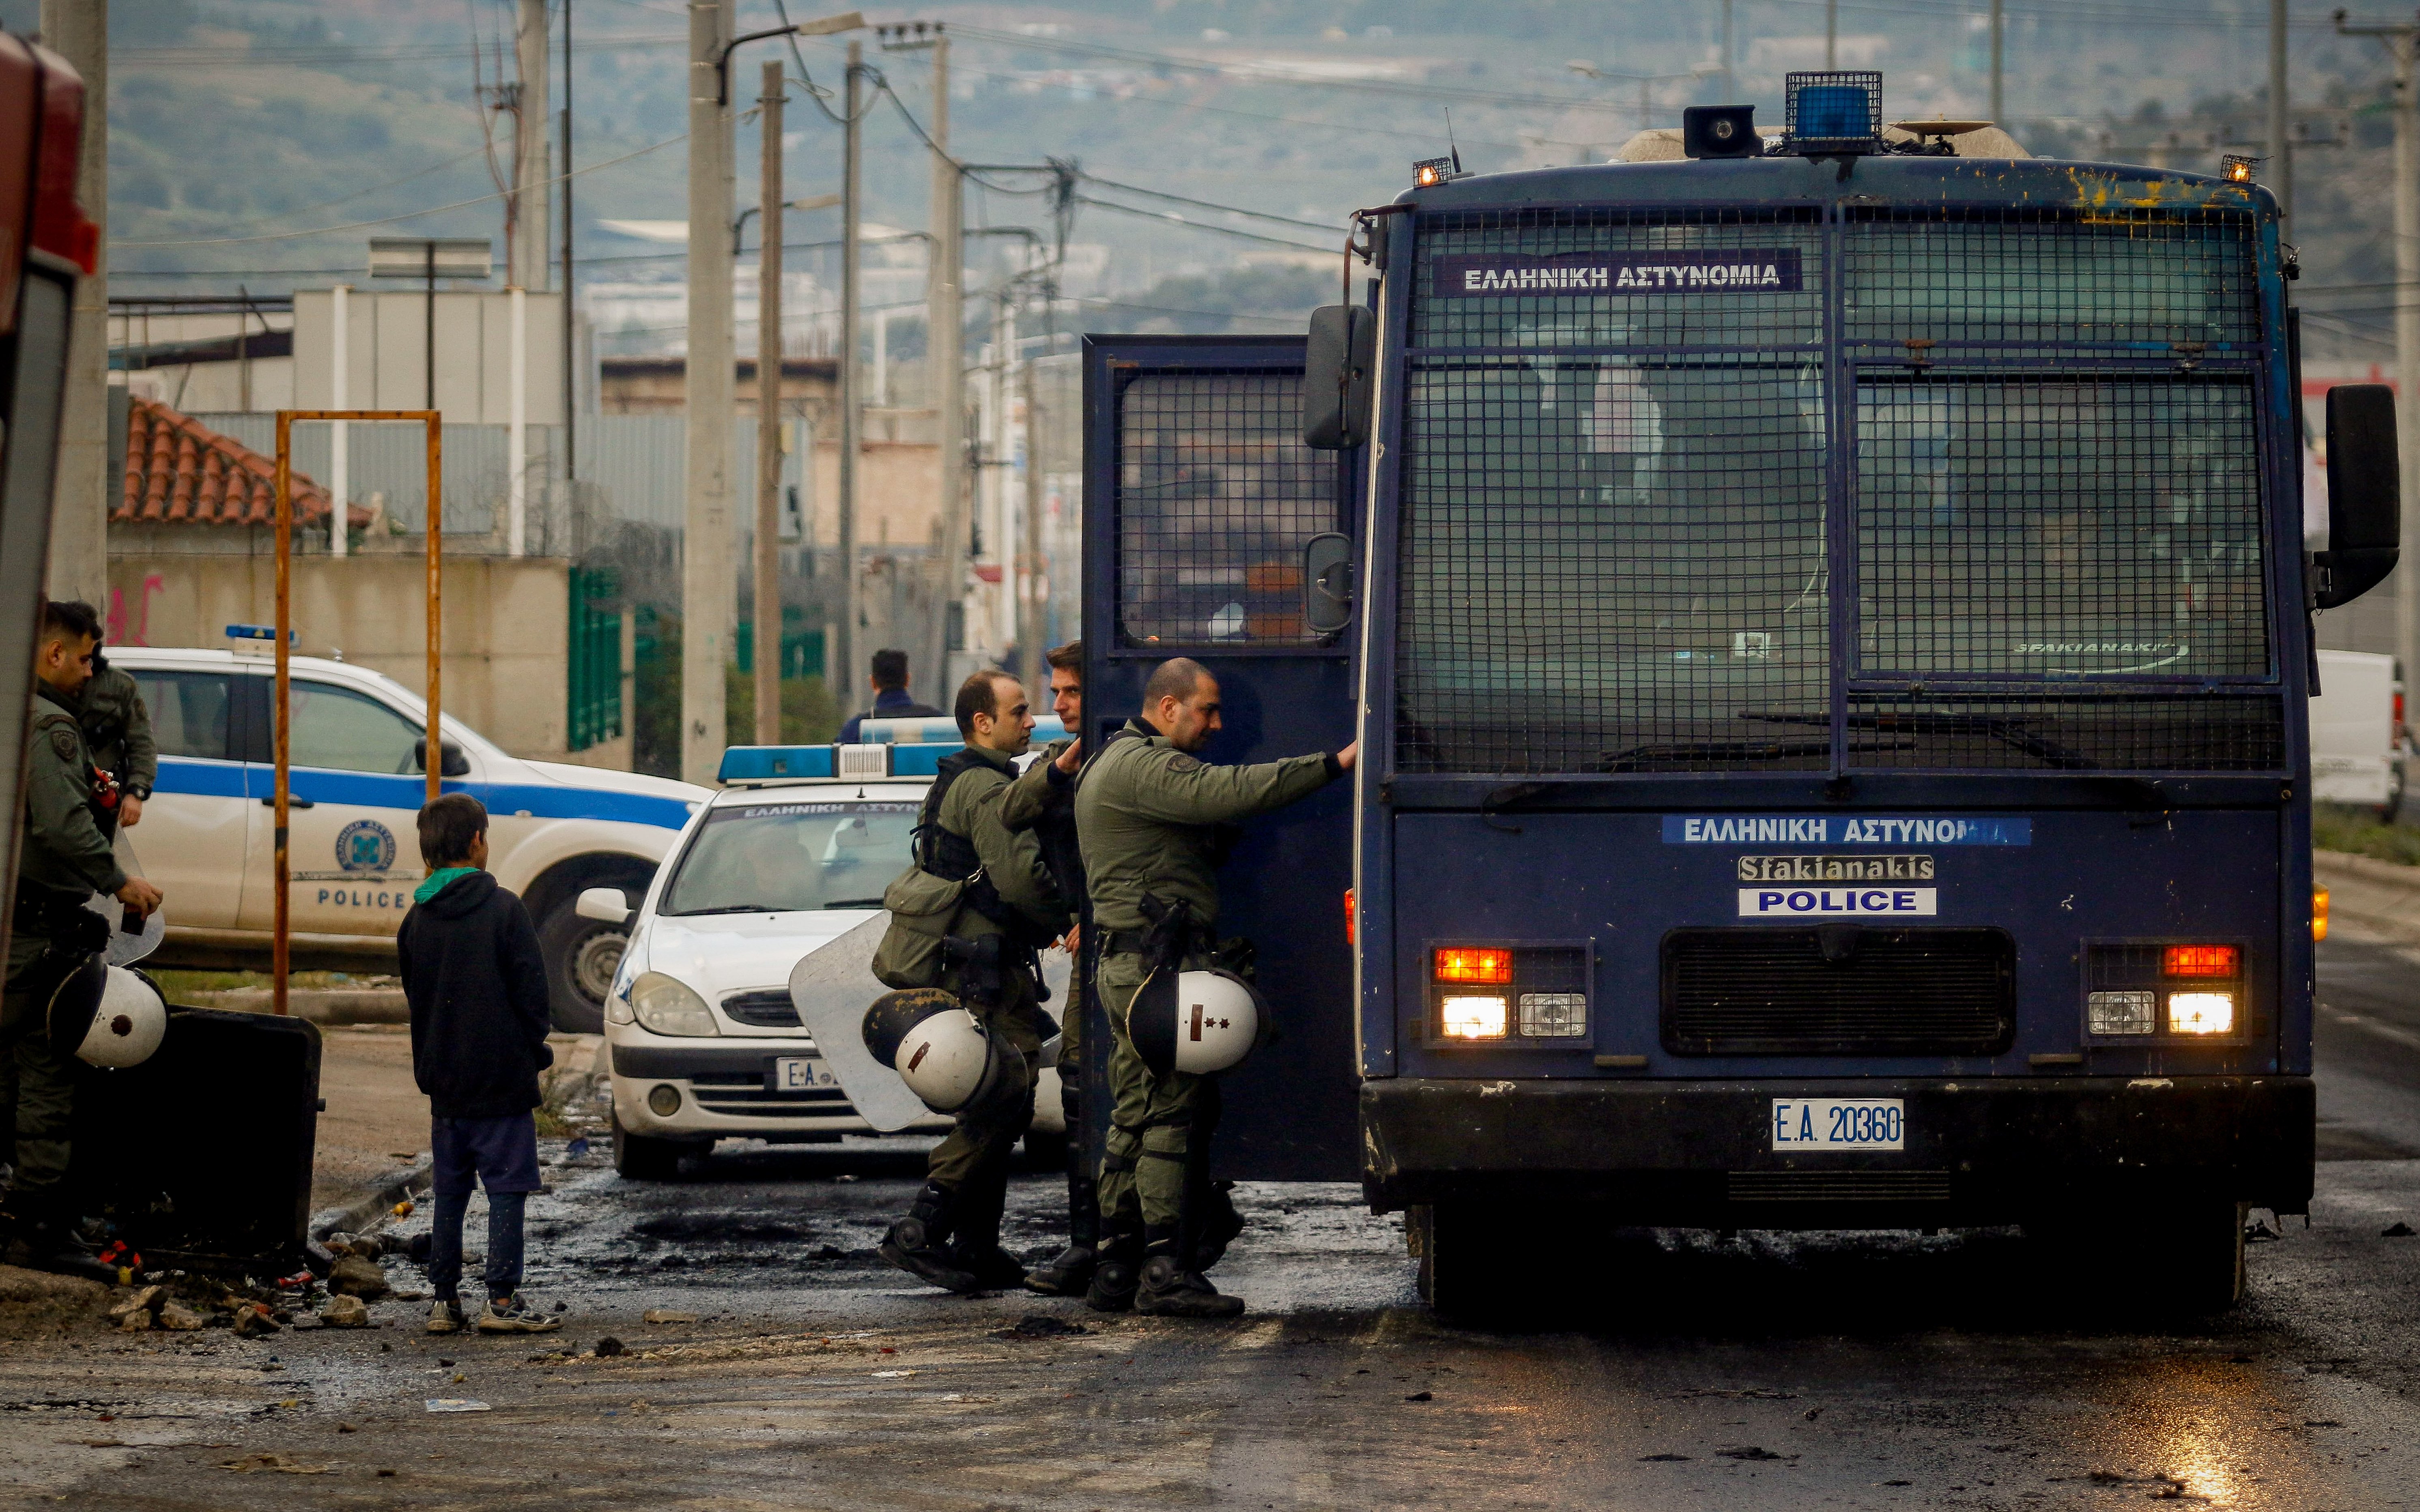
x,y
2358,832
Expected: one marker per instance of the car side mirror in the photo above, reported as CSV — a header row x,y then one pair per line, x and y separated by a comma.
x,y
454,763
1327,583
607,905
2364,494
1336,372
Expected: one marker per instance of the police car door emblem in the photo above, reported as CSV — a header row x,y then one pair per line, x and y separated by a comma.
x,y
365,845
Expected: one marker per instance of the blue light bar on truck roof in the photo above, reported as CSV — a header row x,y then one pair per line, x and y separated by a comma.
x,y
1833,112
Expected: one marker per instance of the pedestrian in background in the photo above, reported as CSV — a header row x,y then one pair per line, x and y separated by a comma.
x,y
477,985
892,699
117,731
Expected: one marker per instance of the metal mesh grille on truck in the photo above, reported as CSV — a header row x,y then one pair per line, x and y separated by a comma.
x,y
1215,496
1619,545
1882,992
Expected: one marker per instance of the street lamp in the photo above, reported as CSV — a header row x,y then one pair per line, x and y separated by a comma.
x,y
847,21
812,202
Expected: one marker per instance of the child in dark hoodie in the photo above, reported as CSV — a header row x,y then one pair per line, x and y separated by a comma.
x,y
479,1015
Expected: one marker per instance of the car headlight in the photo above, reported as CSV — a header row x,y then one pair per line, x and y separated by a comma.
x,y
663,1005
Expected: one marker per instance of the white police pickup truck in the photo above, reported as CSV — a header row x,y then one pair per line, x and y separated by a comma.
x,y
354,855
702,1035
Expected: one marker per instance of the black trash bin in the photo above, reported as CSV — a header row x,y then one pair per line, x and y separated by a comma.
x,y
202,1154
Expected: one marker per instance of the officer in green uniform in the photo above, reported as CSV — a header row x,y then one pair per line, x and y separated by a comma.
x,y
1044,801
1150,818
951,1236
64,860
117,731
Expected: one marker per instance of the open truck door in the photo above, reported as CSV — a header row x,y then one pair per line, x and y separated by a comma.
x,y
1201,501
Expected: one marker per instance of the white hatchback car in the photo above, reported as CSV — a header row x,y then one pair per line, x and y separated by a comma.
x,y
703,1038
356,784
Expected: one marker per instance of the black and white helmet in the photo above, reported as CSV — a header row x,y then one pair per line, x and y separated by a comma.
x,y
946,1058
1209,1023
130,1025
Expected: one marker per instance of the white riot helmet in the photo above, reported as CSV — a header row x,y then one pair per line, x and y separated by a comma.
x,y
947,1059
1207,1023
128,1024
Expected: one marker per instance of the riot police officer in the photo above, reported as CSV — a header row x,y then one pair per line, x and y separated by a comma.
x,y
1044,801
951,1236
117,732
64,860
1150,816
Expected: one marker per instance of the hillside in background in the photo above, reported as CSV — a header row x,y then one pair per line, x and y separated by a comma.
x,y
251,139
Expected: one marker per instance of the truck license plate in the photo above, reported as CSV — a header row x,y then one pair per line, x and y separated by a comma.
x,y
1840,1123
802,1074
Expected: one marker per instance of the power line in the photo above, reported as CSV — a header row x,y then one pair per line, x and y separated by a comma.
x,y
1171,217
1205,204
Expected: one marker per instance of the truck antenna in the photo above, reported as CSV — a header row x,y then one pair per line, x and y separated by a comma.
x,y
1450,143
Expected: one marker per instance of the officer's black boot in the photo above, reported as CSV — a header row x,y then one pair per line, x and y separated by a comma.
x,y
976,1249
919,1244
1167,1289
41,1235
1071,1273
1120,1261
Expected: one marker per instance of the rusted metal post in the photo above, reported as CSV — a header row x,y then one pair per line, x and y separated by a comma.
x,y
277,950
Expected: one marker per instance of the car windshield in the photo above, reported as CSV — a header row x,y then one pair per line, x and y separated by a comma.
x,y
772,857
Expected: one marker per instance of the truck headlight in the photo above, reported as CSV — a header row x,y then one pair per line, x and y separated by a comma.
x,y
1474,1017
666,1006
2121,1013
2201,1012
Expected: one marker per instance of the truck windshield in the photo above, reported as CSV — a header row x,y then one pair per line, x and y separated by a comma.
x,y
1671,501
775,858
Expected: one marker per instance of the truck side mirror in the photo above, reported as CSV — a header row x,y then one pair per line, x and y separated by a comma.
x,y
1327,583
2365,493
453,763
1336,378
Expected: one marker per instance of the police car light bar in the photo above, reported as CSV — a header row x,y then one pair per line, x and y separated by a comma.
x,y
762,764
1828,113
259,632
867,762
941,730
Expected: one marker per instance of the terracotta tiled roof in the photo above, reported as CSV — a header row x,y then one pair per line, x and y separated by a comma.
x,y
180,471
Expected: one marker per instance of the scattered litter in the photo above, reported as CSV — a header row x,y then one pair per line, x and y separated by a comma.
x,y
666,1315
403,1208
2399,1229
272,1462
608,1347
576,1147
252,1321
146,1300
458,1404
1421,1397
1749,1451
361,1277
178,1319
892,1375
1041,1326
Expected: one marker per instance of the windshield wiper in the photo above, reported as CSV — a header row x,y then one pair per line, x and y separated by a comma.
x,y
2012,732
856,903
727,908
1633,758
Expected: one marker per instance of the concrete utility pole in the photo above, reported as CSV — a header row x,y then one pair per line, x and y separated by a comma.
x,y
2281,152
852,420
708,595
1031,629
945,360
1996,34
78,566
2402,43
768,417
532,249
1831,34
1730,80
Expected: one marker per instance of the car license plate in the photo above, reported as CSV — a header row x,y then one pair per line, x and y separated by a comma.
x,y
802,1074
1840,1123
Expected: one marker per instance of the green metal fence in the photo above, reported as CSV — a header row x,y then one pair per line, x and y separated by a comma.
x,y
802,650
593,687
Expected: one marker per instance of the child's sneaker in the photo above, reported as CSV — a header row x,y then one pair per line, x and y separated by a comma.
x,y
446,1315
513,1315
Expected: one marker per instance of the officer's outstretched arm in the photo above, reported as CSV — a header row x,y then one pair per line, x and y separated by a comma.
x,y
1179,790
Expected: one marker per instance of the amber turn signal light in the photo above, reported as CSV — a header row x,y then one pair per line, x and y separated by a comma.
x,y
1463,963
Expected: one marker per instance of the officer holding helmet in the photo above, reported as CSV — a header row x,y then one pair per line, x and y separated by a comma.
x,y
1008,908
66,858
1152,819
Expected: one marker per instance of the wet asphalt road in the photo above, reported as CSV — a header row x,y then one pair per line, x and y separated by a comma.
x,y
1864,1371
